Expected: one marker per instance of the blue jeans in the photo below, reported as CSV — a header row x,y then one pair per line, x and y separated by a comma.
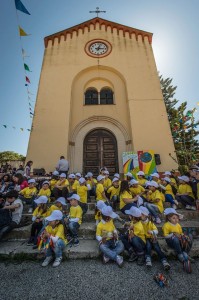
x,y
73,228
136,244
156,247
169,198
112,248
185,200
127,207
174,243
58,250
153,209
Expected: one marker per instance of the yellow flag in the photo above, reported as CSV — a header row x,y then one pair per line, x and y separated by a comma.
x,y
21,129
22,32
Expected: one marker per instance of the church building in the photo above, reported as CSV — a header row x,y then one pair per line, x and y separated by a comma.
x,y
99,95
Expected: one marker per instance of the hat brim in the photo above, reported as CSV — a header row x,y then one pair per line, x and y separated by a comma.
x,y
50,218
72,198
39,202
63,203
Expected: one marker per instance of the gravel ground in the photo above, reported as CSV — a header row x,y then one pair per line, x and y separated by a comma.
x,y
89,279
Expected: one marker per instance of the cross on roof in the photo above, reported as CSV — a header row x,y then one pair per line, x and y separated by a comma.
x,y
97,11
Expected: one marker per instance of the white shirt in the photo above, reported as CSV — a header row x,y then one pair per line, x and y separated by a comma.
x,y
63,165
17,213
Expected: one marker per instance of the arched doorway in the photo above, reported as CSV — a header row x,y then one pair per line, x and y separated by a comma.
x,y
100,150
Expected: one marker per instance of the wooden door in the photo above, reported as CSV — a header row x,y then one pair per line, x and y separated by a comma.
x,y
100,150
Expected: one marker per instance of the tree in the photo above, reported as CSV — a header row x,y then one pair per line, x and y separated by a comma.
x,y
183,126
10,155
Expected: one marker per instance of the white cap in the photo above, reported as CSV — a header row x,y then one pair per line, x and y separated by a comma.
x,y
89,174
55,216
167,173
144,210
133,211
140,173
170,210
108,211
106,172
115,179
46,182
100,177
153,183
31,181
82,180
62,175
166,179
128,174
62,200
56,173
133,181
155,175
100,204
117,175
184,178
71,176
74,196
41,200
147,183
78,175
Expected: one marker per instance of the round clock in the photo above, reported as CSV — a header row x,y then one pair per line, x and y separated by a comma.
x,y
98,48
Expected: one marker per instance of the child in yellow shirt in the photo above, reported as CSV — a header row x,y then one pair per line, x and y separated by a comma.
x,y
185,193
141,178
107,181
53,181
106,235
29,194
114,191
134,241
155,177
61,187
173,234
151,233
60,204
126,198
75,218
82,191
54,232
169,196
92,182
45,190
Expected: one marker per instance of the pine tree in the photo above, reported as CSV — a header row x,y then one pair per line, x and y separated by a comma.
x,y
183,126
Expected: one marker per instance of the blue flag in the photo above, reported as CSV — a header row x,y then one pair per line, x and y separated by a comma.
x,y
19,6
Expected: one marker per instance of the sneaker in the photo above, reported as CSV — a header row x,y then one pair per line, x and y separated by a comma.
x,y
181,258
76,243
141,260
30,210
57,262
192,208
105,259
148,262
30,242
187,207
166,265
174,206
133,257
47,260
157,220
119,261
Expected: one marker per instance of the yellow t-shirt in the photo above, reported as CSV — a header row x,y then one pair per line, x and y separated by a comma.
x,y
54,207
58,231
142,181
136,190
124,195
113,191
75,185
185,188
171,228
148,226
53,182
138,230
90,182
39,213
107,182
62,184
43,192
157,195
105,229
174,182
76,212
28,192
82,192
99,191
168,190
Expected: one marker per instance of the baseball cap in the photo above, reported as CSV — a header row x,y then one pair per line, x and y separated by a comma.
x,y
71,176
167,173
108,211
115,179
117,175
140,173
56,173
62,200
106,172
55,216
78,175
133,181
41,199
63,175
89,174
100,177
82,180
46,182
31,181
170,210
133,211
100,204
184,178
153,183
166,179
74,196
144,210
128,174
155,175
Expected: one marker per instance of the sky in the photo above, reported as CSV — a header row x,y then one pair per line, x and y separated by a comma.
x,y
174,24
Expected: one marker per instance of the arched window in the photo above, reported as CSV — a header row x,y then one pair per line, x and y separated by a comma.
x,y
106,96
91,96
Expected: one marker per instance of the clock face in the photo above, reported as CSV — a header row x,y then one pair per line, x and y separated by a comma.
x,y
98,48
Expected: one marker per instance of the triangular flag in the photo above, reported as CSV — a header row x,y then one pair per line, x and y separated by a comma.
x,y
22,32
30,93
13,127
26,84
31,113
19,6
24,53
5,126
27,79
21,129
26,67
28,129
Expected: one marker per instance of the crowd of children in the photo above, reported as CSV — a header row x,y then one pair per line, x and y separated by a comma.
x,y
54,225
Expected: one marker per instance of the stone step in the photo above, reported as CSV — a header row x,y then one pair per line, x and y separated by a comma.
x,y
86,249
87,230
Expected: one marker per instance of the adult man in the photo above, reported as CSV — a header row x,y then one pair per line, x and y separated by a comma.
x,y
63,165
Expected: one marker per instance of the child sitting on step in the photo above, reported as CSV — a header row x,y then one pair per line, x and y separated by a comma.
x,y
174,236
28,194
45,190
141,178
53,181
60,204
82,191
54,233
106,235
114,191
185,194
151,233
169,195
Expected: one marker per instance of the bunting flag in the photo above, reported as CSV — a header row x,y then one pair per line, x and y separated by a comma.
x,y
26,84
24,53
27,79
13,127
21,129
22,32
5,126
26,67
19,6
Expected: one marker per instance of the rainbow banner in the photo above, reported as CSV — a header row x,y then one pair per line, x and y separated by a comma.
x,y
139,161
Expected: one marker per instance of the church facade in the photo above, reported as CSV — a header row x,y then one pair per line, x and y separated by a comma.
x,y
99,95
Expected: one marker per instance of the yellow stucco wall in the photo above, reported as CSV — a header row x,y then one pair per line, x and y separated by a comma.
x,y
138,112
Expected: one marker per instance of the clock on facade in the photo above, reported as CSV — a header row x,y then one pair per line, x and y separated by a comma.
x,y
98,48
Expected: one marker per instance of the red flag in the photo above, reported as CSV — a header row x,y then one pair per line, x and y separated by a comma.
x,y
27,79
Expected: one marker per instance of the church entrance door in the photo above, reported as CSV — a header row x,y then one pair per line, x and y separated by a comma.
x,y
100,150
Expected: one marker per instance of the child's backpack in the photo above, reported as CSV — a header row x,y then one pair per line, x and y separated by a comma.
x,y
186,242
